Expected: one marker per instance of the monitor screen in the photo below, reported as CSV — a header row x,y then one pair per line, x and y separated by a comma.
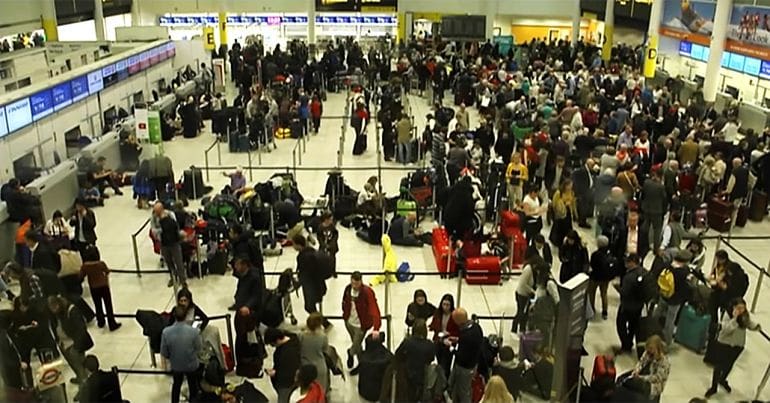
x,y
696,52
133,64
62,96
751,66
110,115
144,60
736,62
764,70
685,48
3,122
154,58
725,59
41,104
18,114
79,88
95,83
704,57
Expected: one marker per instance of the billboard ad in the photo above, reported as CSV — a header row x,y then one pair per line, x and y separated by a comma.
x,y
748,32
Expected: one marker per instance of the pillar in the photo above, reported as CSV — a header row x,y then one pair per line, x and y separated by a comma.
x,y
577,16
136,14
311,22
489,29
223,30
99,20
48,20
653,33
718,36
609,29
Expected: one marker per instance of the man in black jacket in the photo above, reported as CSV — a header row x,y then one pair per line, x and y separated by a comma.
x,y
467,356
669,305
654,204
631,302
101,386
84,223
286,361
42,255
313,284
419,353
737,186
244,243
583,183
250,289
541,248
66,320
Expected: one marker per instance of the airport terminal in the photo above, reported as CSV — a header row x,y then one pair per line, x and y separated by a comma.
x,y
384,201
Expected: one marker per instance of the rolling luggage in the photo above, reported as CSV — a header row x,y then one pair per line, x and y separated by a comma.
x,y
743,216
528,343
442,251
604,371
719,214
192,184
482,270
692,329
758,206
217,264
648,326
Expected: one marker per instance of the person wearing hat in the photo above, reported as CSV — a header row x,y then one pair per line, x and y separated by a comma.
x,y
669,305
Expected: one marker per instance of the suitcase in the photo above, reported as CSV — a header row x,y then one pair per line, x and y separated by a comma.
x,y
648,326
758,206
482,270
477,387
528,343
217,264
700,221
603,373
718,222
192,183
243,144
743,216
519,248
229,358
719,206
442,251
471,248
404,207
692,329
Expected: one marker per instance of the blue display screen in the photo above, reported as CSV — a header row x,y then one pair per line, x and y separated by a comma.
x,y
685,48
62,96
736,61
751,66
696,52
705,56
95,83
725,59
3,123
18,115
79,88
41,104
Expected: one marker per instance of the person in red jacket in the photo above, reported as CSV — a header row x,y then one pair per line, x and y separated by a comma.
x,y
443,327
361,313
316,110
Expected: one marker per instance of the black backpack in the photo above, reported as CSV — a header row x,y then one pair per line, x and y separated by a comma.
x,y
325,264
741,281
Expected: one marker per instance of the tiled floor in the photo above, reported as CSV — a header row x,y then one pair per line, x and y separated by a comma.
x,y
127,347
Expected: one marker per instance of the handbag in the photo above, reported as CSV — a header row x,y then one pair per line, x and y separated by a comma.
x,y
71,262
50,375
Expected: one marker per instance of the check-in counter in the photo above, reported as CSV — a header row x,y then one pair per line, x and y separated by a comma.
x,y
660,78
108,146
187,89
753,116
688,89
57,189
7,235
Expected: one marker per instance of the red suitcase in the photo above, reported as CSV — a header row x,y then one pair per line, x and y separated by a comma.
x,y
471,248
687,182
442,252
519,248
482,270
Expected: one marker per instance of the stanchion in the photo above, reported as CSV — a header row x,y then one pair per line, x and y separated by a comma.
x,y
716,248
757,289
136,249
219,152
251,178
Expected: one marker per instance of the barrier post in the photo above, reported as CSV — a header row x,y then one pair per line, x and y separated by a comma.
x,y
219,153
206,164
757,289
136,255
228,322
250,174
294,161
718,247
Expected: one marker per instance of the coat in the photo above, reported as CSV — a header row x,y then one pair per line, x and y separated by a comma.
x,y
404,131
389,263
74,326
654,199
313,284
88,226
313,345
574,260
365,305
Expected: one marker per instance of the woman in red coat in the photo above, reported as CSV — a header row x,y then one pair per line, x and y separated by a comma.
x,y
443,326
308,389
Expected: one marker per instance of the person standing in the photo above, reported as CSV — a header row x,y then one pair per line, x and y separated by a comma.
x,y
286,361
179,344
729,345
327,239
602,270
97,273
404,138
737,186
313,345
654,202
678,292
463,119
59,231
316,111
69,329
360,313
564,207
443,326
467,355
166,229
583,179
516,176
525,291
419,353
631,302
310,277
573,255
84,223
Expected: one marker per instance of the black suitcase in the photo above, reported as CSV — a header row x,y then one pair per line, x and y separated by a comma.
x,y
192,183
243,143
217,264
743,216
758,206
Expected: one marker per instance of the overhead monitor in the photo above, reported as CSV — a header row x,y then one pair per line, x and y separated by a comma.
x,y
764,70
62,96
737,61
3,122
133,65
18,114
144,60
154,58
685,48
751,66
725,59
464,27
696,52
109,75
704,57
41,104
79,88
95,83
122,68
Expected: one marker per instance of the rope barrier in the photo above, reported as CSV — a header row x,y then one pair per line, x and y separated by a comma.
x,y
746,258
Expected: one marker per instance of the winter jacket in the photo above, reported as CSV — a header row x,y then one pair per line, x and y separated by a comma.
x,y
365,306
389,264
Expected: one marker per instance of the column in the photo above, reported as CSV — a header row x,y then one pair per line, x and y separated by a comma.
x,y
718,36
653,33
577,16
490,23
609,29
311,22
223,30
48,20
136,14
99,20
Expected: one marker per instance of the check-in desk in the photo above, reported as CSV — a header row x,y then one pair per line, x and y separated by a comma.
x,y
57,189
753,116
7,235
107,146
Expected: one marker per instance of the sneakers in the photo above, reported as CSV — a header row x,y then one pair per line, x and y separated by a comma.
x,y
350,360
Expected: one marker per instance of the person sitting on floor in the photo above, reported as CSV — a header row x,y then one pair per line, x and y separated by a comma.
x,y
403,232
91,195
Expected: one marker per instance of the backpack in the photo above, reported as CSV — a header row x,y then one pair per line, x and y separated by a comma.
x,y
403,274
741,281
224,207
325,264
543,309
666,283
647,289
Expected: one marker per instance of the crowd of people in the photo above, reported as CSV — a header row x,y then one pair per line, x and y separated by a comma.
x,y
582,147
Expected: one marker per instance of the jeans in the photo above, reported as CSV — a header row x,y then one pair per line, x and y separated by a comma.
x,y
627,324
316,124
193,382
403,153
670,312
75,360
103,302
602,286
172,255
356,338
522,310
460,384
656,220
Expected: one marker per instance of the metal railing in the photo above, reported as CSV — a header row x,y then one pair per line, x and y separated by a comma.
x,y
137,264
206,156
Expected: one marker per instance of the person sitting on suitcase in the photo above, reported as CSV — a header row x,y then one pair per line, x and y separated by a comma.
x,y
402,230
237,182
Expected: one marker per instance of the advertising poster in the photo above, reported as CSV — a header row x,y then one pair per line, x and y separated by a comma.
x,y
748,32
